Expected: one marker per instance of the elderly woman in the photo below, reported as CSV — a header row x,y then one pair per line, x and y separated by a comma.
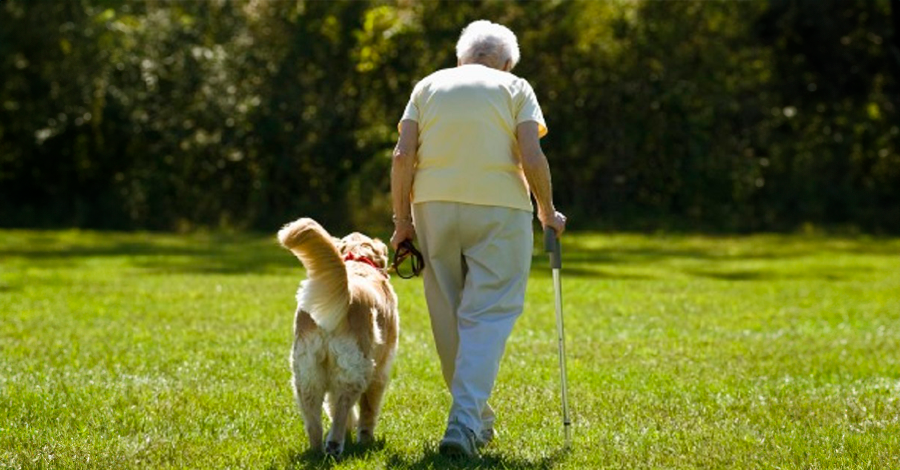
x,y
468,156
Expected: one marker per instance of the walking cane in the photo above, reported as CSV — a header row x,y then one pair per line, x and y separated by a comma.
x,y
551,246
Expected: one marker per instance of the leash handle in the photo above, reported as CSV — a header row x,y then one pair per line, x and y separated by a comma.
x,y
407,249
551,246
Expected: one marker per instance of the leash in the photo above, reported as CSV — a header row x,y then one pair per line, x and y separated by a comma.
x,y
406,249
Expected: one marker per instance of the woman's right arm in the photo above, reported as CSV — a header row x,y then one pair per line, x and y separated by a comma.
x,y
403,168
537,172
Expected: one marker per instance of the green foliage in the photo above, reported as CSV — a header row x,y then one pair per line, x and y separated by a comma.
x,y
171,351
174,115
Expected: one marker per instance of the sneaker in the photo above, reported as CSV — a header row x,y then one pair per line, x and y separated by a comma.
x,y
458,441
485,437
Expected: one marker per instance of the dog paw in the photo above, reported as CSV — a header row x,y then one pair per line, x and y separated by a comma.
x,y
333,448
365,437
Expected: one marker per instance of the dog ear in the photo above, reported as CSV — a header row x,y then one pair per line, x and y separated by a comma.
x,y
382,251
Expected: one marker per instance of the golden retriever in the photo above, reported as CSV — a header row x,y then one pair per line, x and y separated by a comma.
x,y
346,329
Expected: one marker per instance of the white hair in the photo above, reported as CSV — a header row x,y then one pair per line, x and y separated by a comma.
x,y
487,43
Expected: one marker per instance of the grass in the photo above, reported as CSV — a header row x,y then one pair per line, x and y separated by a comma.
x,y
163,351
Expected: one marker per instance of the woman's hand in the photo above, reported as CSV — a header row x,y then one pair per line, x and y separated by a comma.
x,y
555,220
403,230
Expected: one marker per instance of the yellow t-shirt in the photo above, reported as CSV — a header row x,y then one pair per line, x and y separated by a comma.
x,y
468,151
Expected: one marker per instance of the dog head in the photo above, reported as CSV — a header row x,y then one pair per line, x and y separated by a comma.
x,y
363,246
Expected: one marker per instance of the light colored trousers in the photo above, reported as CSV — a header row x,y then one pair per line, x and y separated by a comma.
x,y
477,260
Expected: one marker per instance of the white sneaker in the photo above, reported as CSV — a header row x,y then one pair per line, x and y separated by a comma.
x,y
458,441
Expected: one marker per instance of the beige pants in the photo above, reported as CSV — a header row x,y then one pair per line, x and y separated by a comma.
x,y
477,260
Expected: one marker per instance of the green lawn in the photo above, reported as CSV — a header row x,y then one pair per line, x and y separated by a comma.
x,y
164,351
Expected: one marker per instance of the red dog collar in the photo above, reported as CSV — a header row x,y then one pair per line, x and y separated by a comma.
x,y
362,259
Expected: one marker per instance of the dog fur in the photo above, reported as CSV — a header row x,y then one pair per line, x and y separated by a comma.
x,y
346,329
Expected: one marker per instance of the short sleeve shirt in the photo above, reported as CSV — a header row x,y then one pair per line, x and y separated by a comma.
x,y
468,150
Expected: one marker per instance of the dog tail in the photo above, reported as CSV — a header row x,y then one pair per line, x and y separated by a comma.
x,y
325,294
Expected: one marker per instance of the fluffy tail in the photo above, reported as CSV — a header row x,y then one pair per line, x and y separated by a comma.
x,y
324,294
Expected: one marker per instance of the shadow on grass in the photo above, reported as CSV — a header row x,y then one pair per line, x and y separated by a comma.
x,y
221,254
603,263
760,275
542,269
315,460
429,459
720,248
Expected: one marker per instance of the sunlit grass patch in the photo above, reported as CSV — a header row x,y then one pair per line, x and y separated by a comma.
x,y
148,351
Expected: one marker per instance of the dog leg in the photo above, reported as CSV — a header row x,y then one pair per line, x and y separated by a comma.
x,y
370,408
352,420
309,389
352,415
341,409
310,402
